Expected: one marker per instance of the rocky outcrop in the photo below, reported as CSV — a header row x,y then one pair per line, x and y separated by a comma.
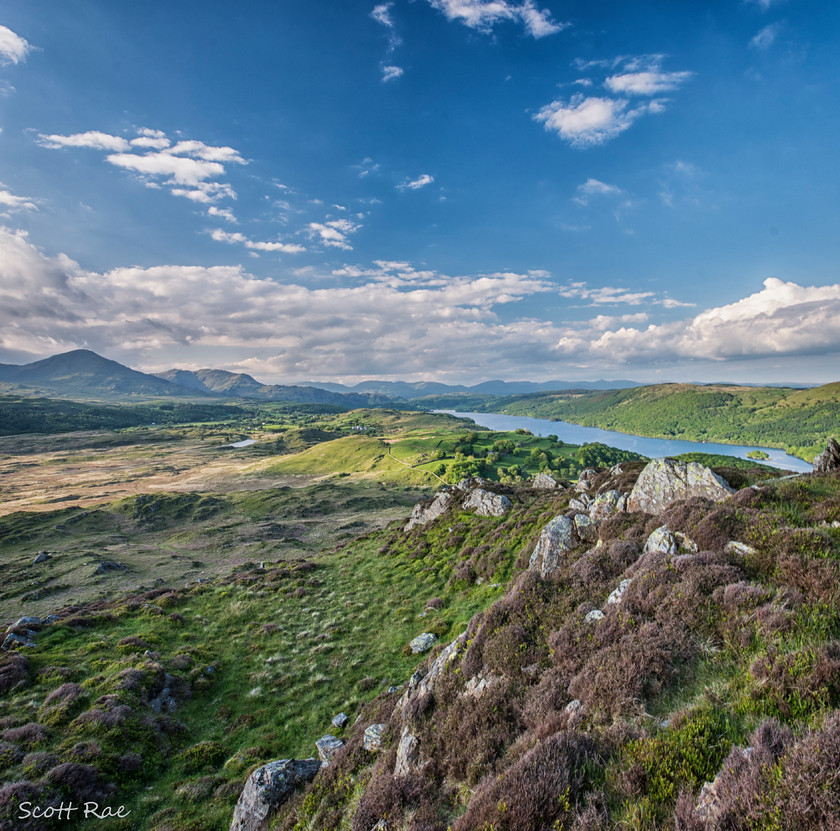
x,y
327,747
267,789
662,541
663,481
545,481
586,528
408,753
618,593
829,459
423,643
487,503
424,515
606,504
558,537
373,738
421,684
586,479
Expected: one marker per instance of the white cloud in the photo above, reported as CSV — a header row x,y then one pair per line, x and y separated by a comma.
x,y
391,73
13,48
585,122
765,37
416,184
92,139
154,142
185,166
221,213
183,171
279,247
646,83
9,202
334,233
594,187
483,15
392,319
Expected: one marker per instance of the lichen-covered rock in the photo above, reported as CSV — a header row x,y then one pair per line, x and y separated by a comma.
x,y
606,504
420,684
423,643
424,515
580,503
829,459
584,482
479,684
556,538
586,528
408,752
735,547
662,541
663,481
267,789
545,481
373,737
340,720
487,503
617,594
328,746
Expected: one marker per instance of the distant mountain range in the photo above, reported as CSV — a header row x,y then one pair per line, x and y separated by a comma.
x,y
420,389
84,374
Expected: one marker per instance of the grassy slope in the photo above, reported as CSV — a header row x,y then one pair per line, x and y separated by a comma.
x,y
288,648
800,421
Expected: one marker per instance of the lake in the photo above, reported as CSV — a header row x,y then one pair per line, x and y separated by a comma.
x,y
652,448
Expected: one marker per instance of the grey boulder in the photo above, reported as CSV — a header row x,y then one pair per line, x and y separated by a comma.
x,y
267,789
558,537
664,481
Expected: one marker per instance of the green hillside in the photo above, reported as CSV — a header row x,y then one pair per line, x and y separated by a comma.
x,y
800,421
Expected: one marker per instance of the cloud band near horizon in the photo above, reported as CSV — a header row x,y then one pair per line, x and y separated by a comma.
x,y
394,321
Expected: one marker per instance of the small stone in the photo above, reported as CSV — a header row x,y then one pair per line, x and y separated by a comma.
x,y
618,593
42,557
15,641
580,503
372,740
662,541
606,504
107,566
741,548
574,707
594,616
328,746
340,720
584,482
423,643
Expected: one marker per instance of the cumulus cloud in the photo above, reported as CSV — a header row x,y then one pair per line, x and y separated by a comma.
x,y
253,245
333,233
765,37
222,213
390,319
10,203
184,167
416,184
483,15
92,139
646,83
588,120
13,48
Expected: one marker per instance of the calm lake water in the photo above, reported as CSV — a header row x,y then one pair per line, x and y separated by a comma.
x,y
652,448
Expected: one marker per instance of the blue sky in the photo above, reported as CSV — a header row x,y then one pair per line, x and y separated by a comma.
x,y
424,189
